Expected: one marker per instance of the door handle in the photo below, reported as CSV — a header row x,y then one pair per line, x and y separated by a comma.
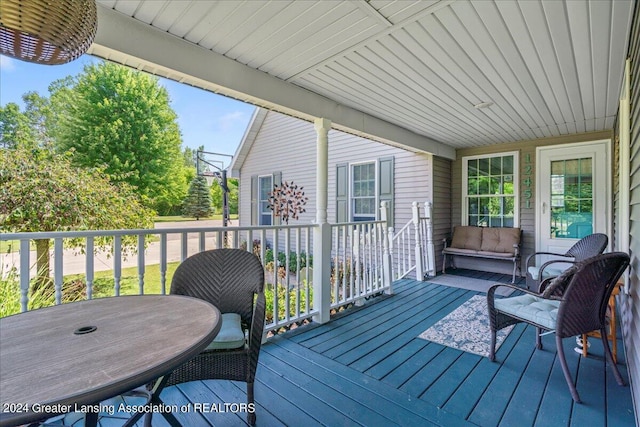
x,y
544,207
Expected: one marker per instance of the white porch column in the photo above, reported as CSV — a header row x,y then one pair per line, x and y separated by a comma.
x,y
322,232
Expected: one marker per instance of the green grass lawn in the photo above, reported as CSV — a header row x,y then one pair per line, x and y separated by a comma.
x,y
129,282
74,287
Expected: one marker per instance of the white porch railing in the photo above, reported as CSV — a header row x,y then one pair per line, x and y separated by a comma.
x,y
358,251
412,247
428,247
357,261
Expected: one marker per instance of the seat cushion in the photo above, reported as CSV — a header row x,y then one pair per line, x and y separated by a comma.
x,y
500,239
540,311
467,237
231,335
456,251
534,271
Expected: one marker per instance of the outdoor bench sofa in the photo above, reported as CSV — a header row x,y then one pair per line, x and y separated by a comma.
x,y
499,243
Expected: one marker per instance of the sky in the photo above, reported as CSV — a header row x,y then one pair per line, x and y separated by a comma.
x,y
215,121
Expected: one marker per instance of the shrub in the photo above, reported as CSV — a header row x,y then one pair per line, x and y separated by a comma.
x,y
293,294
39,296
293,260
268,256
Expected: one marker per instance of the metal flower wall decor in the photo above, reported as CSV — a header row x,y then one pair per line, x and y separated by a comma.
x,y
287,201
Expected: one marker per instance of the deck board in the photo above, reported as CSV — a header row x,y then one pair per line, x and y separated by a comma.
x,y
379,346
389,399
523,407
367,367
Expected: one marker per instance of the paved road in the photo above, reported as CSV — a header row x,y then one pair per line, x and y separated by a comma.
x,y
76,263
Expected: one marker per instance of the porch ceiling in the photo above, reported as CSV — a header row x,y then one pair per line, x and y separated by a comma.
x,y
402,71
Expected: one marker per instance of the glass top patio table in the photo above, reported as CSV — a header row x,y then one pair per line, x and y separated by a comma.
x,y
71,356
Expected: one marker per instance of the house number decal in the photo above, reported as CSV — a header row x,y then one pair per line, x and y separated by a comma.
x,y
526,182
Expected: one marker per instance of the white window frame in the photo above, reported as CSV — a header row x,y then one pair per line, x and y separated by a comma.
x,y
375,191
516,184
259,207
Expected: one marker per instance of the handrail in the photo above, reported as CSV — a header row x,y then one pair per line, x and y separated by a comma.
x,y
285,251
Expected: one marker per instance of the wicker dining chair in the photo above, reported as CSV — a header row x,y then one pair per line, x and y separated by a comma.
x,y
581,308
233,281
588,246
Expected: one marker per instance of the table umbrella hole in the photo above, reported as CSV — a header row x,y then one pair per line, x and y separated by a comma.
x,y
85,330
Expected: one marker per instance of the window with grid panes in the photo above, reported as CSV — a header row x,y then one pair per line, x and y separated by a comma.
x,y
265,186
490,190
363,192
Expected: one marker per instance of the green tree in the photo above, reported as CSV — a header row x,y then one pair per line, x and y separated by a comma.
x,y
198,202
216,196
38,112
121,118
15,128
189,156
43,191
233,195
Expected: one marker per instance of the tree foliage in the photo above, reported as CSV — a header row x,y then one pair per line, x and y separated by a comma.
x,y
216,196
15,128
120,118
42,191
198,202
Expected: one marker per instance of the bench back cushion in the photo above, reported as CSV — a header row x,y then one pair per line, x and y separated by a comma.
x,y
467,237
495,239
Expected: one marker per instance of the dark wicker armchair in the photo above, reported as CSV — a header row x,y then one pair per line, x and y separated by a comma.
x,y
585,288
233,281
588,246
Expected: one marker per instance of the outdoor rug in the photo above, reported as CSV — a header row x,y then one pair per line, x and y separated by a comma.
x,y
466,328
468,283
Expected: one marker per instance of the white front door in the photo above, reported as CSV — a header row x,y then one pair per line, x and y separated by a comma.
x,y
573,194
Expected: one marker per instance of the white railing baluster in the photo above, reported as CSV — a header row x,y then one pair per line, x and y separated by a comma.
x,y
117,263
89,266
298,275
276,268
141,264
287,282
355,249
25,275
236,239
58,273
163,264
202,246
336,261
308,271
184,246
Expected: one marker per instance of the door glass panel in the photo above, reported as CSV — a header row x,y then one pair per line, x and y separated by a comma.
x,y
571,198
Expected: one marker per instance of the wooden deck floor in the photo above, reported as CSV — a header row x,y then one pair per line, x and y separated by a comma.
x,y
367,367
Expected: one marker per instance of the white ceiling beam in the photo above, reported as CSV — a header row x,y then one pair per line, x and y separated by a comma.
x,y
125,36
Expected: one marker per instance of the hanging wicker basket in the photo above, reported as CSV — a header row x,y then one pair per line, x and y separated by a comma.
x,y
47,31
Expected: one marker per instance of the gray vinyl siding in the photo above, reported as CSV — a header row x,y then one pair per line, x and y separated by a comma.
x,y
629,305
527,215
285,145
441,204
288,145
